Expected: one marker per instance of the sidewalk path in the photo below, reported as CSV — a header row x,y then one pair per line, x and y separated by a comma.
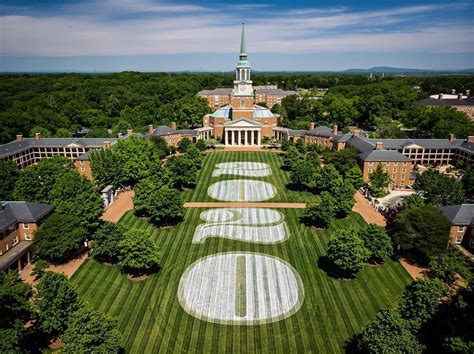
x,y
123,204
415,271
243,205
367,211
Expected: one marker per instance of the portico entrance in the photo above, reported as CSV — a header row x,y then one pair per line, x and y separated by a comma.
x,y
242,132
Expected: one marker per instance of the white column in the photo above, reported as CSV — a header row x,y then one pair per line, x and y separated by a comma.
x,y
226,137
258,137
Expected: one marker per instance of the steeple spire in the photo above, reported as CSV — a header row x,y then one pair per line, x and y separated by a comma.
x,y
243,49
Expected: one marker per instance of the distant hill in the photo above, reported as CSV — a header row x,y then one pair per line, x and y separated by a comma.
x,y
393,70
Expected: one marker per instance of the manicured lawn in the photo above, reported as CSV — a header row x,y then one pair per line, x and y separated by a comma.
x,y
152,320
279,178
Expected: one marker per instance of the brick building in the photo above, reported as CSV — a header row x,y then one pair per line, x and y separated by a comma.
x,y
18,224
462,103
462,224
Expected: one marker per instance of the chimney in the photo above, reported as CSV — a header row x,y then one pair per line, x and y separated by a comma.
x,y
334,129
357,133
173,125
129,132
120,135
453,91
366,135
459,96
107,144
468,92
19,137
150,129
451,137
38,136
440,96
470,139
311,126
379,145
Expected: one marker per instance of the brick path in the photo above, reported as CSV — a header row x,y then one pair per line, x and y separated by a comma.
x,y
415,271
367,211
243,205
120,206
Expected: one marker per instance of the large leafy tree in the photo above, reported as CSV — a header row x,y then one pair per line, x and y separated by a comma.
x,y
36,181
423,229
194,154
106,242
74,194
91,332
347,250
15,309
139,254
448,265
420,300
304,173
354,177
379,181
136,158
344,193
183,171
166,206
59,238
55,301
291,156
105,168
343,160
320,214
377,242
8,177
329,179
439,189
388,333
413,201
468,182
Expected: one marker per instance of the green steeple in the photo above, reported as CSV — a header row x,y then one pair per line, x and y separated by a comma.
x,y
243,49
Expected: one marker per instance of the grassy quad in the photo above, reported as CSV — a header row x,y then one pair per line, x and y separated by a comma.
x,y
152,320
279,178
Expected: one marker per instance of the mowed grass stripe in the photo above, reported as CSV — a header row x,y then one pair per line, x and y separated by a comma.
x,y
152,320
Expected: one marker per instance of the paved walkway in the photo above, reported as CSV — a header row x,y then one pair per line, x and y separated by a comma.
x,y
415,271
120,206
243,205
367,211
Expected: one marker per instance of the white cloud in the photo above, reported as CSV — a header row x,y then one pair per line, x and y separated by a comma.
x,y
186,28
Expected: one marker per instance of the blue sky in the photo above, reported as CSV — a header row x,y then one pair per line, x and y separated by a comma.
x,y
154,35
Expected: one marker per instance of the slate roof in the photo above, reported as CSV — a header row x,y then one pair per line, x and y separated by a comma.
x,y
447,102
14,147
425,143
14,212
164,130
274,92
188,132
297,132
217,91
360,144
321,131
383,155
343,138
462,214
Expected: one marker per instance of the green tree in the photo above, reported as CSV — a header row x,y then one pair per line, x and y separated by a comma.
x,y
354,177
303,173
378,243
15,309
8,177
201,145
468,182
343,160
291,156
300,146
98,133
420,300
388,333
322,213
439,189
139,254
195,155
329,179
423,229
106,243
347,250
344,193
59,237
166,206
40,267
63,133
91,332
183,171
184,144
74,194
161,146
413,201
45,133
447,265
105,168
379,181
55,301
36,181
136,159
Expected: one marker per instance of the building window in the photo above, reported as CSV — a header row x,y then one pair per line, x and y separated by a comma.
x,y
370,163
26,226
242,103
460,228
15,241
404,170
28,237
83,169
458,239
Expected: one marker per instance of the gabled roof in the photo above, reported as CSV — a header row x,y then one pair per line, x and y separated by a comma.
x,y
462,214
383,155
360,144
14,212
164,130
321,131
245,122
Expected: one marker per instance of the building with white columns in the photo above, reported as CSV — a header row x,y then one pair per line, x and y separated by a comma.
x,y
242,122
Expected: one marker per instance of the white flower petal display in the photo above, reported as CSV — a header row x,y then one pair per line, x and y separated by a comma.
x,y
240,288
242,190
257,225
247,169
